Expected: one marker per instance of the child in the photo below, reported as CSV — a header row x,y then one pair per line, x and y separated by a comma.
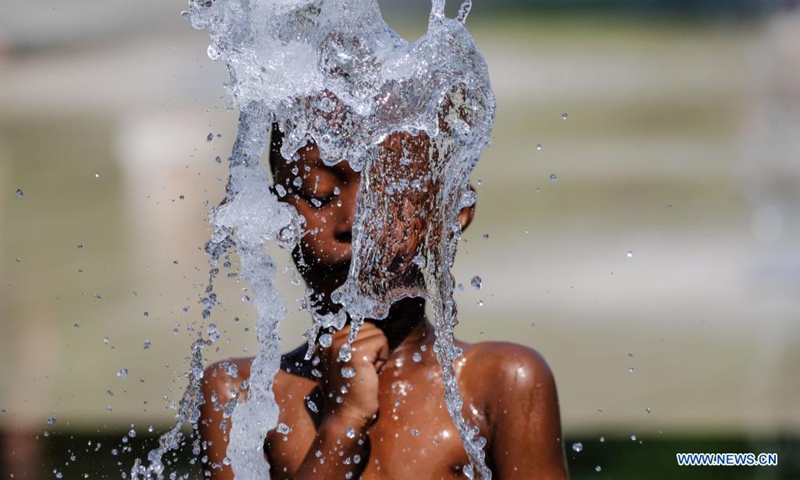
x,y
390,420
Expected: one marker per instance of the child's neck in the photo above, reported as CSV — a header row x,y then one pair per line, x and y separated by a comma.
x,y
406,327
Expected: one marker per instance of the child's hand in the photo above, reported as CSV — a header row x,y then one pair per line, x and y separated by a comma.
x,y
359,406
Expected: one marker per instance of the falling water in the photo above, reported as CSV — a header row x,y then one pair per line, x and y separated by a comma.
x,y
413,118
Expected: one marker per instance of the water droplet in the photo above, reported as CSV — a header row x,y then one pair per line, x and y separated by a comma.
x,y
417,357
326,105
630,369
122,373
77,325
345,353
602,439
96,174
633,438
348,372
629,254
597,468
231,370
146,314
50,421
245,298
210,135
647,410
132,433
630,355
147,344
486,236
480,303
564,116
213,333
311,405
468,472
577,447
476,282
218,159
538,147
325,340
351,432
283,429
553,178
181,197
105,340
415,432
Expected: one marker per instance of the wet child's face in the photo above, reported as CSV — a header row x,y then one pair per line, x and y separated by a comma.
x,y
326,198
403,194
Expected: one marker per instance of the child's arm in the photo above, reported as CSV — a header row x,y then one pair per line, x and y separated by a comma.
x,y
522,409
342,433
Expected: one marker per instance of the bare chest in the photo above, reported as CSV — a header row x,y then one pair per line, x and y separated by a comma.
x,y
413,437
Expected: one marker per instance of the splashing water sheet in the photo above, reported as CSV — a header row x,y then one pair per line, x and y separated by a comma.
x,y
412,118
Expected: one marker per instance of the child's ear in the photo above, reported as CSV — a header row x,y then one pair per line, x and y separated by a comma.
x,y
466,213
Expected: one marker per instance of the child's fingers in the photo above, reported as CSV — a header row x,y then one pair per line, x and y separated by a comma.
x,y
369,346
373,349
367,330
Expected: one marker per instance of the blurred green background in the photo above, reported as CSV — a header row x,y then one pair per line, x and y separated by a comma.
x,y
659,274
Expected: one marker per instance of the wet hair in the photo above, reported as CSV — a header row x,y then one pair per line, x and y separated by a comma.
x,y
275,144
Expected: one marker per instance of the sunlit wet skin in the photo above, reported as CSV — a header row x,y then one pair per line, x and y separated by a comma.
x,y
395,403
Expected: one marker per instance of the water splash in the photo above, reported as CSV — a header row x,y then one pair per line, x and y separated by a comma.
x,y
413,118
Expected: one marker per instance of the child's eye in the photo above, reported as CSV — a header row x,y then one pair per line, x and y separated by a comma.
x,y
316,192
319,202
316,200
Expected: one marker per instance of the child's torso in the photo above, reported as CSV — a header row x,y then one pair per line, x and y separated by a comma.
x,y
413,437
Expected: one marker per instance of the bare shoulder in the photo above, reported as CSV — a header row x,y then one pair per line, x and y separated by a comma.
x,y
229,378
507,364
517,392
224,379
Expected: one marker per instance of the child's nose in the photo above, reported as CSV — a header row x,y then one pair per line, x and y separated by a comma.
x,y
346,214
